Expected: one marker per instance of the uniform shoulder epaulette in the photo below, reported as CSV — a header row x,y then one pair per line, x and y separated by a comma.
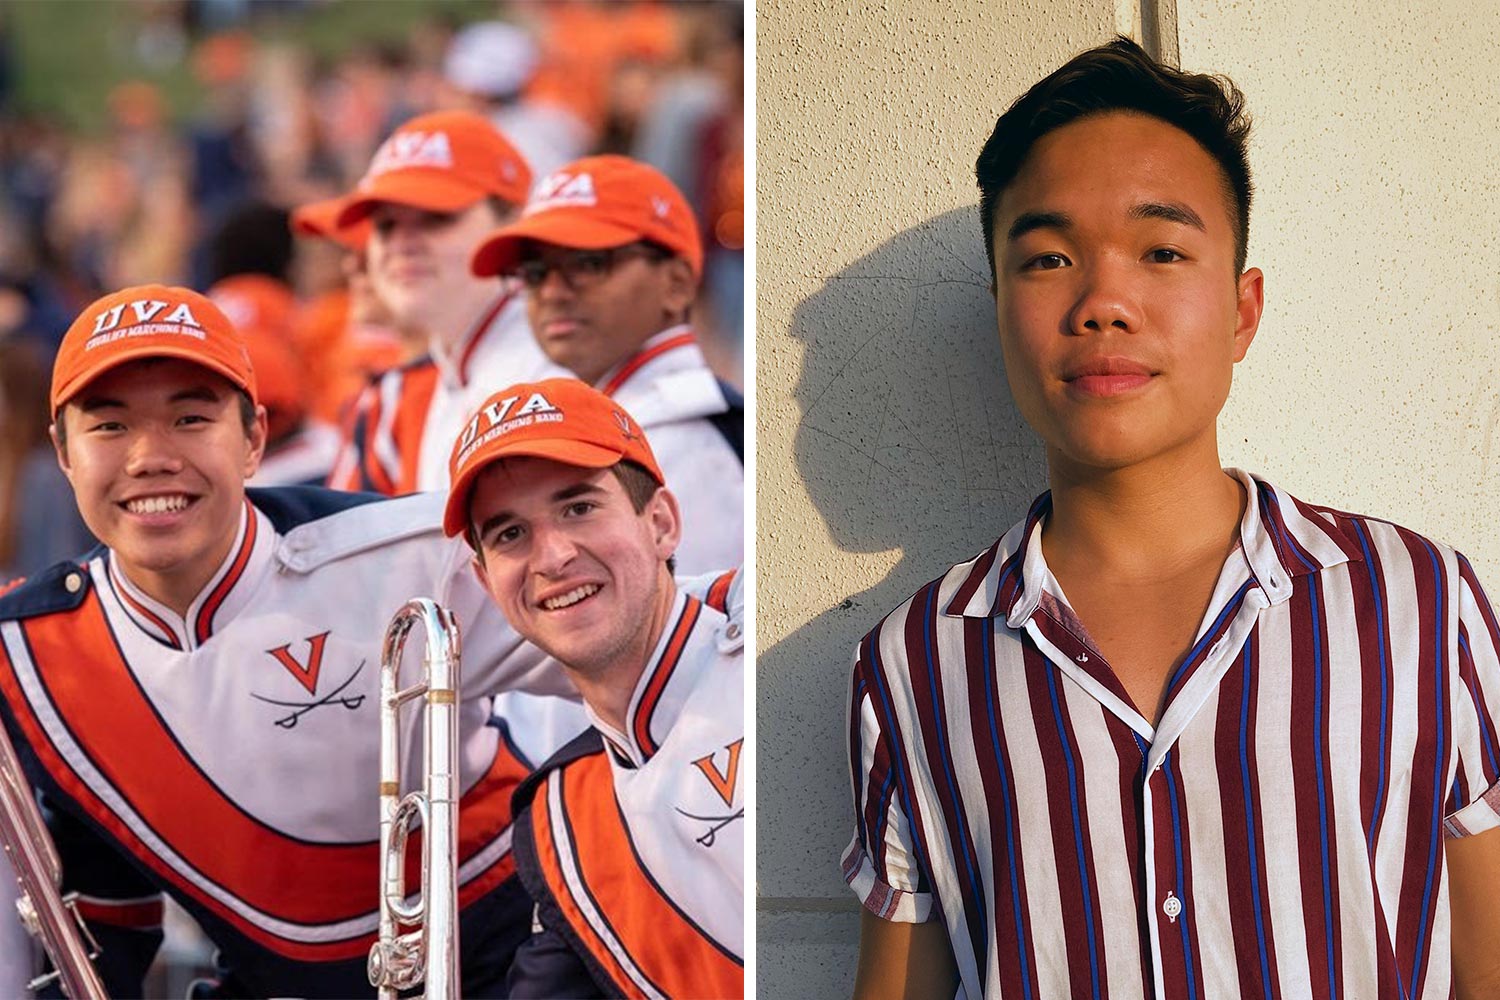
x,y
585,744
291,506
60,588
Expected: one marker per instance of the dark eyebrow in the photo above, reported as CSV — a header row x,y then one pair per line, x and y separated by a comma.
x,y
1027,221
198,393
562,495
1169,212
92,403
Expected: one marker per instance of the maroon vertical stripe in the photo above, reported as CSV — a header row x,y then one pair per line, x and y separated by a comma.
x,y
1421,799
927,689
1072,873
1012,951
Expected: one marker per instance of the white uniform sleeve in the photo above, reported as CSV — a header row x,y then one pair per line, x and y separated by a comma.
x,y
880,863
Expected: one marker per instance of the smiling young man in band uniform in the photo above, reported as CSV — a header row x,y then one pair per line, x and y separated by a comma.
x,y
197,699
631,839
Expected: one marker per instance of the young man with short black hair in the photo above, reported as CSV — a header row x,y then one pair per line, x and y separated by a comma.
x,y
1177,733
197,699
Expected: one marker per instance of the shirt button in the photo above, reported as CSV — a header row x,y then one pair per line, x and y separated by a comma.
x,y
1171,906
73,582
733,631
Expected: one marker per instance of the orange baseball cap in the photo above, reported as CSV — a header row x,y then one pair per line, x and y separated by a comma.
x,y
563,419
593,204
262,309
440,162
321,219
149,321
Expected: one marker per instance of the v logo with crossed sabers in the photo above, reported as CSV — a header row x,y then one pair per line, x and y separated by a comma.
x,y
334,697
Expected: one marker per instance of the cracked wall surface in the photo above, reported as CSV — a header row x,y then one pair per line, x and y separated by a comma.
x,y
887,444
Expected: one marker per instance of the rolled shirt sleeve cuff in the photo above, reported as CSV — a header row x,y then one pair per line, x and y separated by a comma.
x,y
1478,816
886,902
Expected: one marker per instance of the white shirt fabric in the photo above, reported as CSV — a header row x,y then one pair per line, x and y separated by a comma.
x,y
499,351
671,392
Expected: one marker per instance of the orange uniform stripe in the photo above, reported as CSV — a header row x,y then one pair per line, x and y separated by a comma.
x,y
480,329
634,364
215,599
658,683
142,610
661,941
718,593
418,385
114,723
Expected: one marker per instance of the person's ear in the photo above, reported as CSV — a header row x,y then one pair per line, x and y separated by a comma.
x,y
666,522
255,442
1250,301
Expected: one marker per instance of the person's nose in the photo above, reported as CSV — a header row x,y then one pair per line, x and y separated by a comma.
x,y
1107,301
553,550
152,453
554,287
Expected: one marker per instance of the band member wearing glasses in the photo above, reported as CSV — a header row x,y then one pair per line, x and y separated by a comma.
x,y
631,839
610,257
197,700
433,190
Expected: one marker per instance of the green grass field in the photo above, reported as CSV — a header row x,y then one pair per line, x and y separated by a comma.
x,y
70,53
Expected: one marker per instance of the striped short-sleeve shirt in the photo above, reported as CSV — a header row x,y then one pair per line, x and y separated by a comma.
x,y
1280,831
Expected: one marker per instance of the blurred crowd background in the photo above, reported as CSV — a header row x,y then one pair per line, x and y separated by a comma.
x,y
171,141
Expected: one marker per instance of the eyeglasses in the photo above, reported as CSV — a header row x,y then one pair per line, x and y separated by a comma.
x,y
581,268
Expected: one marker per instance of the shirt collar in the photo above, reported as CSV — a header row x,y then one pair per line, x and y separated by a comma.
x,y
1282,539
222,597
664,685
666,380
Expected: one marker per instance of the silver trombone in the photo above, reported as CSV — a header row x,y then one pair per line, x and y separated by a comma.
x,y
401,961
48,915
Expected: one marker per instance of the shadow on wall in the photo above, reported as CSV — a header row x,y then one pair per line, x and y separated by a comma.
x,y
907,440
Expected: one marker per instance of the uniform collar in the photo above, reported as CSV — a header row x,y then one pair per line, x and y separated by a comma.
x,y
666,380
222,597
664,685
455,369
1281,538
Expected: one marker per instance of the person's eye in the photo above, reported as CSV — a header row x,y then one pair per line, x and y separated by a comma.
x,y
532,273
1165,255
506,535
190,419
590,263
579,508
1045,262
107,427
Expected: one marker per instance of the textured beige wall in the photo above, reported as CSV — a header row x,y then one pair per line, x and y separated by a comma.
x,y
1374,384
887,445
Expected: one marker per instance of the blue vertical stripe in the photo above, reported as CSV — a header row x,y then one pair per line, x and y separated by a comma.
x,y
898,757
966,849
1083,860
1187,948
1385,684
1315,608
1435,836
1250,832
1005,799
